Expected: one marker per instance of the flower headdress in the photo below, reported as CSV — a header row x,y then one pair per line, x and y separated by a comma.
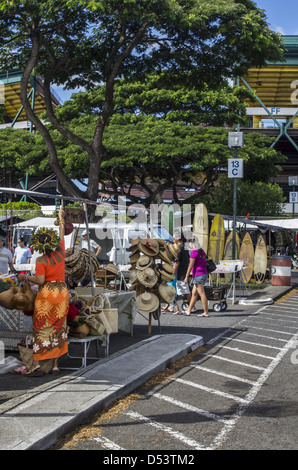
x,y
45,239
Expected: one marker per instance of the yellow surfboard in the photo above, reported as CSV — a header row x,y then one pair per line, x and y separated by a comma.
x,y
260,260
216,239
228,251
201,226
247,255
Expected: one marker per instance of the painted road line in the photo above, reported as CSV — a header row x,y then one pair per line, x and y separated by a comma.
x,y
223,374
273,317
284,307
272,331
281,315
264,336
217,443
166,429
245,352
270,323
239,363
251,342
210,390
193,409
107,444
277,313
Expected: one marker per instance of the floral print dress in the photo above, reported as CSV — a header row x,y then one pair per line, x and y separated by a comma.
x,y
50,311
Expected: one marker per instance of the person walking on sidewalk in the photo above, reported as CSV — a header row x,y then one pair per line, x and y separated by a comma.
x,y
52,301
180,268
198,267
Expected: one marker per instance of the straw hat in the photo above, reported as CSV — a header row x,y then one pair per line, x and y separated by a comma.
x,y
174,250
161,242
149,246
134,245
167,293
166,272
144,262
134,258
147,277
112,268
165,255
168,268
147,302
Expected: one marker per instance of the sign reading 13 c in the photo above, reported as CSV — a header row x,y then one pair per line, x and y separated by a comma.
x,y
235,168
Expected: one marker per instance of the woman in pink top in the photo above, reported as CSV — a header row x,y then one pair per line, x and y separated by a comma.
x,y
198,267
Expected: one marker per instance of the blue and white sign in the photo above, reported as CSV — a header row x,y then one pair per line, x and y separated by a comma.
x,y
293,197
235,168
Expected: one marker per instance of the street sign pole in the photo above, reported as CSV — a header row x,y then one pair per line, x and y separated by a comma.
x,y
235,170
293,181
234,214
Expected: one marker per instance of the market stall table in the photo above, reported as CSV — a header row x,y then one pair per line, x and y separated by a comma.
x,y
124,301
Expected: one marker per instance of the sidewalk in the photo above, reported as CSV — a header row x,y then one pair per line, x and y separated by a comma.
x,y
39,411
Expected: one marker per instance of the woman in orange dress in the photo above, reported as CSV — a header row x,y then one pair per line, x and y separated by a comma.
x,y
52,301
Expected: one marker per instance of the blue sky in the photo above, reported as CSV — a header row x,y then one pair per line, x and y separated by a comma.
x,y
281,16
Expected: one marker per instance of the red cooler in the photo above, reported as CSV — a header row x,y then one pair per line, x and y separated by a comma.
x,y
281,271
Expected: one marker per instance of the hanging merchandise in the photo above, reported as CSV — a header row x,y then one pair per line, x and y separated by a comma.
x,y
151,269
77,266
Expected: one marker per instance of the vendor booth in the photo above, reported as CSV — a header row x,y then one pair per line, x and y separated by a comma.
x,y
96,311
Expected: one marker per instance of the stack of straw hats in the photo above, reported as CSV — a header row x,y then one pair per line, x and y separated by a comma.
x,y
77,266
151,269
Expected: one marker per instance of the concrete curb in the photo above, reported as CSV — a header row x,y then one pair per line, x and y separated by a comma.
x,y
256,302
38,421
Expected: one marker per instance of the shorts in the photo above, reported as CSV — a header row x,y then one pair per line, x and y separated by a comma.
x,y
182,288
200,279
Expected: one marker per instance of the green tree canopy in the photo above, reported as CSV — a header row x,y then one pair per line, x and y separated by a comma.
x,y
89,42
257,199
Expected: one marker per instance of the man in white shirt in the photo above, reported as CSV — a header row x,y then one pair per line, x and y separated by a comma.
x,y
94,246
22,254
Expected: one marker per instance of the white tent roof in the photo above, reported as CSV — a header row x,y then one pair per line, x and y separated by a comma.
x,y
36,222
291,224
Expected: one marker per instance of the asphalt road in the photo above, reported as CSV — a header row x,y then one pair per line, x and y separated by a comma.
x,y
239,392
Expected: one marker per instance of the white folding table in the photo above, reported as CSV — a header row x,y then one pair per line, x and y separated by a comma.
x,y
86,342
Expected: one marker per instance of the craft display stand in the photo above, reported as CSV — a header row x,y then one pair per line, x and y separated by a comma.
x,y
149,319
102,279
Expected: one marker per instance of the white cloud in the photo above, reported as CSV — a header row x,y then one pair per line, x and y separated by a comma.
x,y
280,29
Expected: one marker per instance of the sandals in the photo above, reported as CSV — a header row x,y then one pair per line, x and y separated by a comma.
x,y
165,309
37,372
177,313
203,315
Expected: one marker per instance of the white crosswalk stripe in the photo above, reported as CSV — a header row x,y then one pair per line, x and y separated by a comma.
x,y
220,374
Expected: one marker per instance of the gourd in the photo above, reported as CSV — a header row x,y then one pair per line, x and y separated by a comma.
x,y
6,298
20,301
31,296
